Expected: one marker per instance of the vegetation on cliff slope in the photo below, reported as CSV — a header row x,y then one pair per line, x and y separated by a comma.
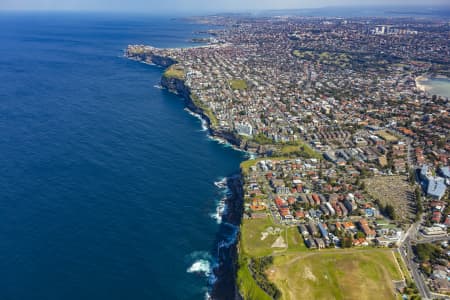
x,y
206,110
174,71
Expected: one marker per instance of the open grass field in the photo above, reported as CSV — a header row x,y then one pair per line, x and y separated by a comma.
x,y
253,245
251,242
361,273
336,274
248,287
174,71
388,137
300,149
295,240
238,84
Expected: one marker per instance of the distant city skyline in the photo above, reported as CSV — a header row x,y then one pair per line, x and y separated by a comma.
x,y
181,6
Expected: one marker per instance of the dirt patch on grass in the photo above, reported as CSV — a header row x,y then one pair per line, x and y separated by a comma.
x,y
279,243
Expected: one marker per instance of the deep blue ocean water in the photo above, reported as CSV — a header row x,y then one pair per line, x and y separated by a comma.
x,y
106,183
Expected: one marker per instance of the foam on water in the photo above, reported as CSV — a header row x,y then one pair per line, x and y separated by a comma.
x,y
148,63
231,238
200,266
203,121
204,264
221,209
226,144
208,296
105,168
221,183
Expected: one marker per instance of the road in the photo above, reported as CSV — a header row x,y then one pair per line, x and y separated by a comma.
x,y
406,251
407,254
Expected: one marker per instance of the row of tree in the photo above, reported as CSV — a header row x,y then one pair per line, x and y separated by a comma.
x,y
258,267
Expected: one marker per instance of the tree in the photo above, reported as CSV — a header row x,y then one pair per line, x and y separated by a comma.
x,y
412,176
389,211
418,201
360,235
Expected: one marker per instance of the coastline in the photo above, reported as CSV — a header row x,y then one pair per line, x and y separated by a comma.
x,y
419,83
423,84
177,86
227,250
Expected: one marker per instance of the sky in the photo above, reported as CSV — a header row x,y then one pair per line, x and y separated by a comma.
x,y
161,6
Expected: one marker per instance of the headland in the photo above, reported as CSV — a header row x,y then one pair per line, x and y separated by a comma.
x,y
348,145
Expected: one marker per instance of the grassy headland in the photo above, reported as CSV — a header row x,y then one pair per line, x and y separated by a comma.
x,y
207,111
174,71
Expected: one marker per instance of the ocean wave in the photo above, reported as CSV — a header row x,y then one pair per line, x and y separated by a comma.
x,y
158,86
219,141
221,183
221,209
203,121
226,144
251,155
148,63
203,264
200,266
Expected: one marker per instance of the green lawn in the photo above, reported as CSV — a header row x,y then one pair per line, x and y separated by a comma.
x,y
248,287
295,240
238,84
245,165
251,243
344,274
206,110
174,71
299,149
402,265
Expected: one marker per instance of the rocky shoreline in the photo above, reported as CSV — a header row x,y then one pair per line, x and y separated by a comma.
x,y
178,86
228,255
227,249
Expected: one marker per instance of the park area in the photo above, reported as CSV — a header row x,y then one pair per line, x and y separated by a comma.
x,y
361,274
261,237
299,273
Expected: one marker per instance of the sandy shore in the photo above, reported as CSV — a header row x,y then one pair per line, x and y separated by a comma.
x,y
421,83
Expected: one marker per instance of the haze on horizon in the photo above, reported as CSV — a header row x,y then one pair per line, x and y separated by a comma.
x,y
195,6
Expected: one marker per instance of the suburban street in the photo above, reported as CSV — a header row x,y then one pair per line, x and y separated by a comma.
x,y
407,254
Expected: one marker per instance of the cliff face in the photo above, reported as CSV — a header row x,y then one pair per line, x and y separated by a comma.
x,y
162,61
175,85
178,86
150,57
234,215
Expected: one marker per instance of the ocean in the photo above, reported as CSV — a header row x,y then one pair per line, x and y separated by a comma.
x,y
106,186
